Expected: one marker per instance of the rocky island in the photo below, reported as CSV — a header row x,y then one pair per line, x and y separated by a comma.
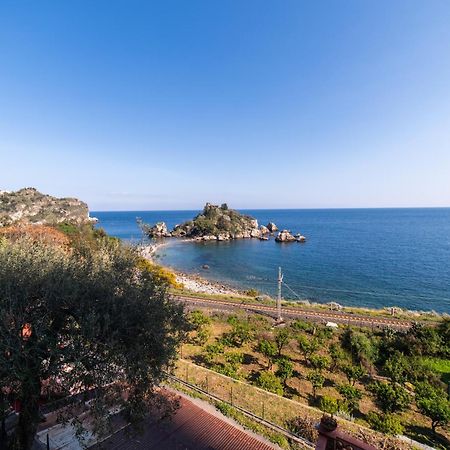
x,y
219,223
28,205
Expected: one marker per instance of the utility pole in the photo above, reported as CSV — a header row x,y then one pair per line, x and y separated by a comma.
x,y
280,281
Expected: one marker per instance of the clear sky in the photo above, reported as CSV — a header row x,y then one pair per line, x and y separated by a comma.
x,y
261,104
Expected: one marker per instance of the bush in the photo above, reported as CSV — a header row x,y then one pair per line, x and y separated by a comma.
x,y
304,427
385,423
352,396
329,405
160,274
390,397
270,382
252,293
319,362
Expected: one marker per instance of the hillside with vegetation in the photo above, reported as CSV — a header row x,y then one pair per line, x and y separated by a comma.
x,y
394,382
31,206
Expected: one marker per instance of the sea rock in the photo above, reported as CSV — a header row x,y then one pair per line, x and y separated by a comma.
x,y
285,236
264,230
272,227
159,230
255,233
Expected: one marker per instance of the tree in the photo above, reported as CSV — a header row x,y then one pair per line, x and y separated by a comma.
x,y
240,333
385,423
307,346
285,370
352,396
390,397
319,362
317,380
434,404
269,350
337,355
396,367
282,338
269,382
328,405
360,346
93,312
353,373
199,323
212,351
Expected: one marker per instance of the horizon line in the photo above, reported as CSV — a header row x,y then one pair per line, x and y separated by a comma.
x,y
277,209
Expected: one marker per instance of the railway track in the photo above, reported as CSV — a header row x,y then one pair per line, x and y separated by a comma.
x,y
298,312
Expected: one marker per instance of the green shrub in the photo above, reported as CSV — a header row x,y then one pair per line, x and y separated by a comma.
x,y
390,397
385,423
328,404
270,382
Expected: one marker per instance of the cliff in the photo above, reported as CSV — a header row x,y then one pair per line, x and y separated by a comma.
x,y
30,206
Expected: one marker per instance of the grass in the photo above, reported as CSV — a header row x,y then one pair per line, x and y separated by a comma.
x,y
438,365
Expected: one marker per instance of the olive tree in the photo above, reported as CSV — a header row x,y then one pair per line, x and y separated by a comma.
x,y
77,320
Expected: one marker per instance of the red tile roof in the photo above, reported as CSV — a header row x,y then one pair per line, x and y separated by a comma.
x,y
190,428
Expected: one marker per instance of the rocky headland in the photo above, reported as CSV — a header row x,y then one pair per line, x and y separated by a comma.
x,y
28,205
219,223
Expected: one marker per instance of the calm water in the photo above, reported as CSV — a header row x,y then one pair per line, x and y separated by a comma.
x,y
361,257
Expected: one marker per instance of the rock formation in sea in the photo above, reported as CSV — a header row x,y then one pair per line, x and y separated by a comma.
x,y
218,223
287,236
272,227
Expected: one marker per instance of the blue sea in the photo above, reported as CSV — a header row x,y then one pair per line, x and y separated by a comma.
x,y
357,257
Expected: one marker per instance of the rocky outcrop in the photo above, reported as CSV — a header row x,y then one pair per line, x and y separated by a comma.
x,y
272,227
219,223
285,236
264,230
28,205
159,230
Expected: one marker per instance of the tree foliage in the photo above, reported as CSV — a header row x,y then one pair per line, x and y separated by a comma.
x,y
390,397
385,423
269,350
433,403
282,338
317,380
82,319
270,382
285,369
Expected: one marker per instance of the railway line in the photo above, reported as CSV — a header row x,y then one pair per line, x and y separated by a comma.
x,y
338,317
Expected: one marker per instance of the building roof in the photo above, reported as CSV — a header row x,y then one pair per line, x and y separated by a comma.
x,y
190,428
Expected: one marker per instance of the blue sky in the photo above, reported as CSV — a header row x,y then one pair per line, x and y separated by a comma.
x,y
262,104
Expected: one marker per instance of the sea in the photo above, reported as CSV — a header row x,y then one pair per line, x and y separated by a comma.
x,y
357,257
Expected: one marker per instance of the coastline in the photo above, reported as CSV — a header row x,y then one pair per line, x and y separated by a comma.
x,y
198,284
191,282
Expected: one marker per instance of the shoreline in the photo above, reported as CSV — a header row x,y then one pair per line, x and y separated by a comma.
x,y
195,283
199,284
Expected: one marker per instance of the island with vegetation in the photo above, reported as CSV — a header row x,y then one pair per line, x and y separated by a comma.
x,y
220,223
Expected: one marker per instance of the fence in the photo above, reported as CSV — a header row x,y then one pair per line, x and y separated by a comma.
x,y
265,405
